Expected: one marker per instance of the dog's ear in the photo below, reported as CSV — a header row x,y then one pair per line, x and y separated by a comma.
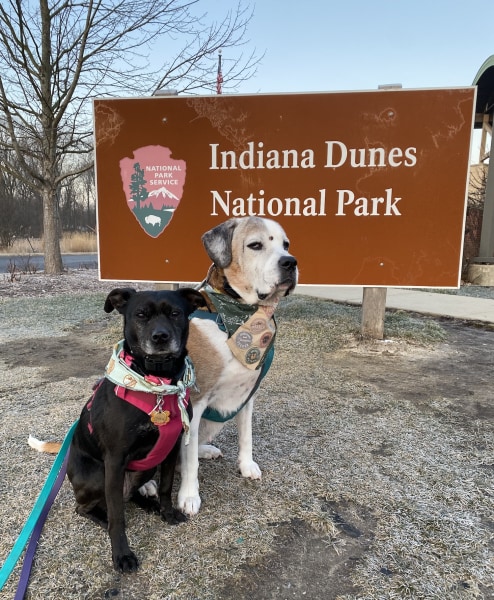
x,y
218,243
194,298
118,298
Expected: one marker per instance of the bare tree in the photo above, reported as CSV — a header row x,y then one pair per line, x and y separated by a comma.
x,y
86,182
9,209
56,55
478,182
19,205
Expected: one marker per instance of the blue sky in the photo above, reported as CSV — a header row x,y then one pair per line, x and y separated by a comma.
x,y
322,45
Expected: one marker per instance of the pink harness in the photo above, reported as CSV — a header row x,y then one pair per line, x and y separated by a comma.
x,y
169,432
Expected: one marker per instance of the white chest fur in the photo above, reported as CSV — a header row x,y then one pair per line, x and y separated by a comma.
x,y
224,383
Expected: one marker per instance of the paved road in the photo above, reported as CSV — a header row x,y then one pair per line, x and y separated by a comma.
x,y
24,262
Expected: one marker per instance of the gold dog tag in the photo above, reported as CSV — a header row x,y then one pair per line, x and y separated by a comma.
x,y
161,417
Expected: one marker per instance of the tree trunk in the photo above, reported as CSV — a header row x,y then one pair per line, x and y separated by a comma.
x,y
53,256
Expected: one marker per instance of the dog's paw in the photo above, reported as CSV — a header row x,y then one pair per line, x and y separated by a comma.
x,y
190,505
173,516
209,452
149,489
126,563
250,469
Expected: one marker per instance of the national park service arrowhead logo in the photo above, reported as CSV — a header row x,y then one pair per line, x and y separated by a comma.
x,y
153,184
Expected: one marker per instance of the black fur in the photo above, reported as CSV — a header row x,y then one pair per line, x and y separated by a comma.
x,y
121,432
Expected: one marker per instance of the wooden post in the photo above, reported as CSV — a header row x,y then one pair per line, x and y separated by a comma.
x,y
486,250
166,286
373,310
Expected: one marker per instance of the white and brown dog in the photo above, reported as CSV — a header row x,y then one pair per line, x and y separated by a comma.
x,y
231,342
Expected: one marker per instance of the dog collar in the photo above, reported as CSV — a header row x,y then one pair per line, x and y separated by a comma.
x,y
229,290
119,371
233,313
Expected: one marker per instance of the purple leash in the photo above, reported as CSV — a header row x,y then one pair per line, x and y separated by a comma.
x,y
38,528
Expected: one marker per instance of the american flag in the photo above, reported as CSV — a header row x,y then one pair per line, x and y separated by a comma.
x,y
219,78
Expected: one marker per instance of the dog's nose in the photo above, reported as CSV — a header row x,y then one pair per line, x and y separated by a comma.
x,y
160,336
288,263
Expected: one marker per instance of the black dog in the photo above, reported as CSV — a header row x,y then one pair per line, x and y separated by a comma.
x,y
133,423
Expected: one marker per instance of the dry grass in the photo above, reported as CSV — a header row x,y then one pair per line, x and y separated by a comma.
x,y
70,242
322,435
79,242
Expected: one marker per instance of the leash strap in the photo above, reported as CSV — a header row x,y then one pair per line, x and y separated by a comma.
x,y
58,469
36,534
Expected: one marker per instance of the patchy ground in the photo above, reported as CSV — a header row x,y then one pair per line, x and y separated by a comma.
x,y
450,382
377,463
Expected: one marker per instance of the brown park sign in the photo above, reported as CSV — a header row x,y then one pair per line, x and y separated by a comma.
x,y
369,186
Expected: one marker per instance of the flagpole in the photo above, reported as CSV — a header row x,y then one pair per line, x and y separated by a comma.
x,y
219,77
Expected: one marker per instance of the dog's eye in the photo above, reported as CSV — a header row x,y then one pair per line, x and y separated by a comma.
x,y
175,314
255,246
286,245
140,314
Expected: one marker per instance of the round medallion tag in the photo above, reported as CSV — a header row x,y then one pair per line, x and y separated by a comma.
x,y
265,339
252,356
243,339
258,325
160,417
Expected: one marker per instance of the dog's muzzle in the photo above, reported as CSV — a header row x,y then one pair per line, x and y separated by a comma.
x,y
288,277
162,342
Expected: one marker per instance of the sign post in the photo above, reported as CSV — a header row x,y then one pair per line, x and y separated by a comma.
x,y
374,299
373,309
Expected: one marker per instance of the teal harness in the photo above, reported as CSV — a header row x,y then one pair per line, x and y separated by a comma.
x,y
211,414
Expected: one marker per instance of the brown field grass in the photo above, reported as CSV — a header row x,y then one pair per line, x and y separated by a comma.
x,y
70,242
